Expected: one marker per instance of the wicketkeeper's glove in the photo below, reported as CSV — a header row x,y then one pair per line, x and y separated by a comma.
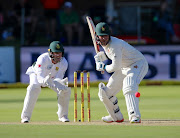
x,y
47,82
60,84
56,84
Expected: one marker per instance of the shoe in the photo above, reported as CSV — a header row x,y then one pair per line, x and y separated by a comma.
x,y
64,119
25,120
108,119
135,120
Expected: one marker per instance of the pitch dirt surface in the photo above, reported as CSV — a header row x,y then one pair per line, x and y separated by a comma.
x,y
125,123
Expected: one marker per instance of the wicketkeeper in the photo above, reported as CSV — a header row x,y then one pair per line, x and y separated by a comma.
x,y
128,66
48,71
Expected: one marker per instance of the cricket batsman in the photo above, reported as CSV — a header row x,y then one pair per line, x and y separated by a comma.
x,y
48,71
128,66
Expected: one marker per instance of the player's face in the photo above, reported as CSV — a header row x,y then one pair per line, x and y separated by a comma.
x,y
57,56
104,40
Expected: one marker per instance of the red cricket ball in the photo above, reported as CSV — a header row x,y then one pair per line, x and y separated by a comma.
x,y
137,94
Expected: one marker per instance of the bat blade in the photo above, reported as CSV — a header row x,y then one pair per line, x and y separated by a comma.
x,y
93,35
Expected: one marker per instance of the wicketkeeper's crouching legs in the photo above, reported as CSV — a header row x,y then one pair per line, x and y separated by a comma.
x,y
111,104
63,104
63,96
33,91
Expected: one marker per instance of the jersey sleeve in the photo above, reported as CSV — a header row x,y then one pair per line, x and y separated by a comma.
x,y
116,61
40,68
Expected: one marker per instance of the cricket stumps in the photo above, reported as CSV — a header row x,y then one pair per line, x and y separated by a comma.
x,y
82,95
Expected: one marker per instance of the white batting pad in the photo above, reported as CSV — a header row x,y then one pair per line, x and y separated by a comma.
x,y
111,103
33,91
63,102
132,104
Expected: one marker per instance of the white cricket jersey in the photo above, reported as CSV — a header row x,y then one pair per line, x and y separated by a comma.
x,y
44,67
121,53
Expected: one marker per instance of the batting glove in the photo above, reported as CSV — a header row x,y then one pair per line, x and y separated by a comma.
x,y
100,66
100,56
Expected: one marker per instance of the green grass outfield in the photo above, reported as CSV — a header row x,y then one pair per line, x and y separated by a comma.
x,y
159,106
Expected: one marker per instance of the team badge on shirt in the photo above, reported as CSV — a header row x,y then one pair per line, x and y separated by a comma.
x,y
57,68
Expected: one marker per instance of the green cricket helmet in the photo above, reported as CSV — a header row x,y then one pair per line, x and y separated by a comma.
x,y
56,46
102,28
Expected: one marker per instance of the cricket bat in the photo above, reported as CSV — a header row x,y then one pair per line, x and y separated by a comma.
x,y
93,35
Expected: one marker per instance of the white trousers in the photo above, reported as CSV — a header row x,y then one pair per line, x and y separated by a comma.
x,y
33,91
